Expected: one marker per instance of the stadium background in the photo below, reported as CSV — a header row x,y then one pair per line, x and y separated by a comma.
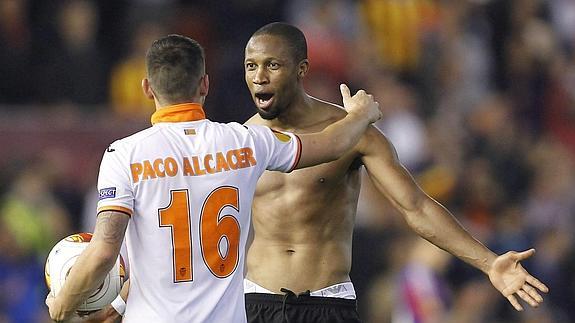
x,y
479,100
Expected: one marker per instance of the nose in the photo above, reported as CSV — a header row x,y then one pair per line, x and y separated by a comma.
x,y
260,76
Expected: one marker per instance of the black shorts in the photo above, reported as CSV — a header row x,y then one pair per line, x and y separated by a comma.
x,y
291,308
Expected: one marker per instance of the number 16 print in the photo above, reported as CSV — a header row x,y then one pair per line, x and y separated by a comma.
x,y
214,230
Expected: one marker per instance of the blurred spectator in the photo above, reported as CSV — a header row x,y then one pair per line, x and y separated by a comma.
x,y
21,280
15,51
31,222
550,203
499,139
330,27
401,122
559,108
474,302
464,69
397,29
563,19
126,95
422,295
74,71
32,213
530,51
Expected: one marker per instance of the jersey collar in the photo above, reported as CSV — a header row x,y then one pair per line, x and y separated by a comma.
x,y
179,113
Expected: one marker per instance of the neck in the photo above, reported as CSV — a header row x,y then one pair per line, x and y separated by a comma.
x,y
161,104
296,114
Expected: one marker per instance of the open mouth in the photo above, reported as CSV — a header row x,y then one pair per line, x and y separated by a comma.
x,y
264,100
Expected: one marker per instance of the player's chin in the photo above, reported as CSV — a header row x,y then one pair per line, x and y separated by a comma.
x,y
268,114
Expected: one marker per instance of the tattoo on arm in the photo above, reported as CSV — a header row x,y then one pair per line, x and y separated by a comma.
x,y
111,226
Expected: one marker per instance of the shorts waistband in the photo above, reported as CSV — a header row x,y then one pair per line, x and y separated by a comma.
x,y
343,290
299,300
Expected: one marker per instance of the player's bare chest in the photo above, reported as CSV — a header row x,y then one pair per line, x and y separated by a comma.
x,y
321,177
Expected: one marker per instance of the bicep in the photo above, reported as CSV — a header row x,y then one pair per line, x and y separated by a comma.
x,y
389,176
111,228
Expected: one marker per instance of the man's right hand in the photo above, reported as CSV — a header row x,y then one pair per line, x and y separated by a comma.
x,y
361,104
106,315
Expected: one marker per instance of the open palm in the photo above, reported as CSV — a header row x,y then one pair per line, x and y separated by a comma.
x,y
511,279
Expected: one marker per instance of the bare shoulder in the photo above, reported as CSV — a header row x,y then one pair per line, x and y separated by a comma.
x,y
326,113
330,109
375,143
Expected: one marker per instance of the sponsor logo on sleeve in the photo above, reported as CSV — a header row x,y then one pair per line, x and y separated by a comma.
x,y
107,193
281,136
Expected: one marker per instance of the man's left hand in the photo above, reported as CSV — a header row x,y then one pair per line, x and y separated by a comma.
x,y
512,280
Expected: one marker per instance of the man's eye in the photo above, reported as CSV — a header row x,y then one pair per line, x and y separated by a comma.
x,y
250,66
274,66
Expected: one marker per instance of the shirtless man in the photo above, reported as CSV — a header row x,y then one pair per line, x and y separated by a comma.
x,y
303,221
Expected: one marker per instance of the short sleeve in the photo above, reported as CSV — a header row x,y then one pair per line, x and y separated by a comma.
x,y
281,149
114,184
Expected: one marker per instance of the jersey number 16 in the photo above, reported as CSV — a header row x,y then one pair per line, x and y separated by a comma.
x,y
213,229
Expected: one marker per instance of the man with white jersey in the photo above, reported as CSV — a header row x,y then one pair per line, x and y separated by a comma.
x,y
186,186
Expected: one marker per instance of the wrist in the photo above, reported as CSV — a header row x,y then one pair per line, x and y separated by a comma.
x,y
355,114
119,305
57,311
488,262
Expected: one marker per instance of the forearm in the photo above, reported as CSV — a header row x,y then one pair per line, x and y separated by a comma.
x,y
85,276
344,134
436,224
333,142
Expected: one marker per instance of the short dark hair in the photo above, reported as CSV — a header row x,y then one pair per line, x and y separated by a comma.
x,y
294,37
175,65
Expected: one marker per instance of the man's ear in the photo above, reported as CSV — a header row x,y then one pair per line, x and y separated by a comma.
x,y
147,89
204,85
303,67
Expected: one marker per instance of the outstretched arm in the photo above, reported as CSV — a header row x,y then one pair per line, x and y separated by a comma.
x,y
432,221
338,138
91,266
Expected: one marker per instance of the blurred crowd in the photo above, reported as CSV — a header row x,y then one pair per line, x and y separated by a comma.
x,y
478,99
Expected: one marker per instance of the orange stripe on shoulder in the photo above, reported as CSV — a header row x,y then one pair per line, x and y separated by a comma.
x,y
116,209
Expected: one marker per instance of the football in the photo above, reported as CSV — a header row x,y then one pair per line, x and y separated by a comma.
x,y
61,259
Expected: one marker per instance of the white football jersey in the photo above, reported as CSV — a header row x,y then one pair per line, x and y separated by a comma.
x,y
188,185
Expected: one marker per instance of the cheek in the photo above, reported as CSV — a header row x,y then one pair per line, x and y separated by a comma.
x,y
287,91
282,95
286,85
248,79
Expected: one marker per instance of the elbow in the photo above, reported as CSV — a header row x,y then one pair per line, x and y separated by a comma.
x,y
417,223
414,215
